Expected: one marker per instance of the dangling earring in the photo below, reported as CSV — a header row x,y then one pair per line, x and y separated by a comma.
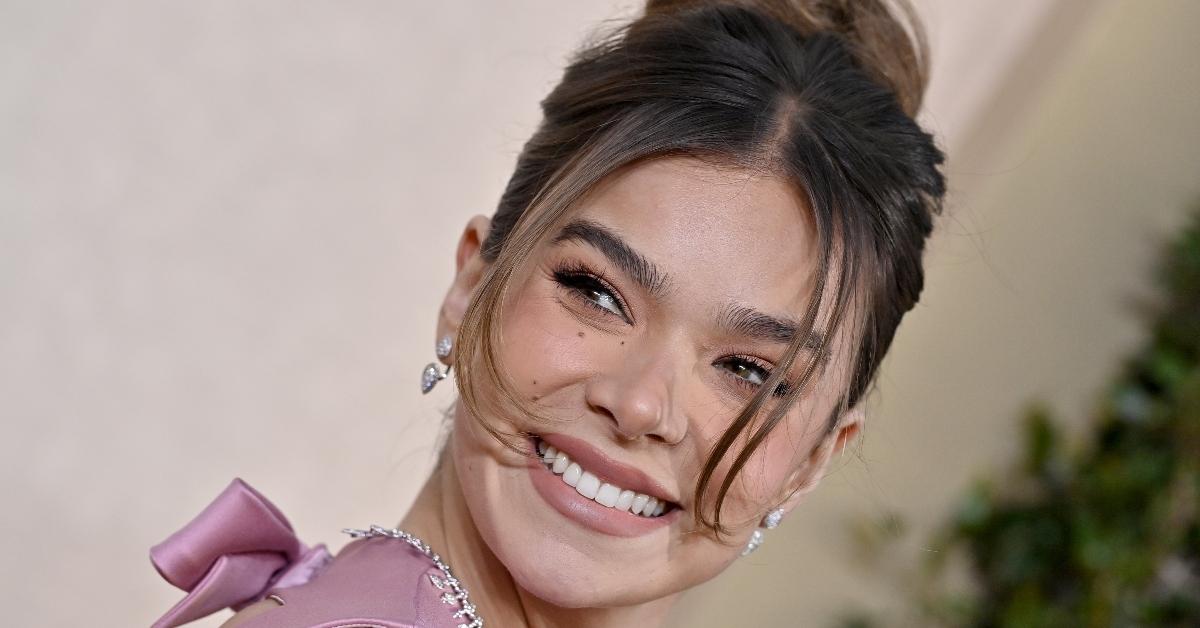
x,y
431,374
769,522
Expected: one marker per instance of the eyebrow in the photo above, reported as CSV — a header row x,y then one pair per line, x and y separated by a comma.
x,y
754,324
632,263
735,319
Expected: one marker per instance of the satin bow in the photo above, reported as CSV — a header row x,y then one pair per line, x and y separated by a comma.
x,y
236,549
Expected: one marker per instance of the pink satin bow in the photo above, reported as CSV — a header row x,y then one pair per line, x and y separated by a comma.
x,y
239,547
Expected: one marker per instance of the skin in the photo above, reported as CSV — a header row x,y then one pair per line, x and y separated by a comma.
x,y
650,384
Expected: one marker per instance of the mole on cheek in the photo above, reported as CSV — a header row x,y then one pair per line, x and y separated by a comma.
x,y
581,334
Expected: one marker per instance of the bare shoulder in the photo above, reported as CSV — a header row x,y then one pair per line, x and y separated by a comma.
x,y
245,614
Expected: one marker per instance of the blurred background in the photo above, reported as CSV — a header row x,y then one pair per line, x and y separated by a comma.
x,y
225,228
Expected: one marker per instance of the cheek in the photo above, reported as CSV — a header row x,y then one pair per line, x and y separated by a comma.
x,y
772,469
769,469
762,483
545,348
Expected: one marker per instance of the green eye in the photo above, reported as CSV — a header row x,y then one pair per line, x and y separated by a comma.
x,y
750,374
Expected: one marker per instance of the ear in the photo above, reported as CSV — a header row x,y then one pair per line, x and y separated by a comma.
x,y
806,478
469,267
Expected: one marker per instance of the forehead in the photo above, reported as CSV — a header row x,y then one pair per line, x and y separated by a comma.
x,y
729,232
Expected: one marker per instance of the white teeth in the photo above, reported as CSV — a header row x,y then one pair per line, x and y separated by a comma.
x,y
608,495
572,474
625,500
589,486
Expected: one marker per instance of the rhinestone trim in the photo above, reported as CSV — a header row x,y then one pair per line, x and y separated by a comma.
x,y
457,594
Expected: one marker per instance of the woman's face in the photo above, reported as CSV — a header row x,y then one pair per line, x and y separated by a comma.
x,y
642,328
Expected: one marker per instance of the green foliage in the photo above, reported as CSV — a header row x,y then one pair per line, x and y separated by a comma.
x,y
1106,536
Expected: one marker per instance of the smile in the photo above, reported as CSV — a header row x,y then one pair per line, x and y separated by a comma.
x,y
589,485
602,494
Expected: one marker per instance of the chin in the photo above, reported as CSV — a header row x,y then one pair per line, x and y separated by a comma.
x,y
576,583
568,578
547,555
562,548
560,565
566,567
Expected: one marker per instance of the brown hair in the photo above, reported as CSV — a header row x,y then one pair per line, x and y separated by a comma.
x,y
821,92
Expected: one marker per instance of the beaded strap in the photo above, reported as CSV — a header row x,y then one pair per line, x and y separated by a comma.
x,y
457,593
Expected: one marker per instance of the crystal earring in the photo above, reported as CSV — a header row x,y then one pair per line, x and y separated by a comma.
x,y
769,522
431,374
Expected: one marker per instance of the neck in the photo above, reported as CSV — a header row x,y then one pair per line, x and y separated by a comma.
x,y
440,517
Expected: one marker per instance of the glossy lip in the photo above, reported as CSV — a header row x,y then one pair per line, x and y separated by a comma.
x,y
607,469
569,503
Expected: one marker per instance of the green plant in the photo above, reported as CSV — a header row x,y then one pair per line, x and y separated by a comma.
x,y
1106,535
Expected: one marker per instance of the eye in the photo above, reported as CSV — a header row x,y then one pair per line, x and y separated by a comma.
x,y
750,373
590,289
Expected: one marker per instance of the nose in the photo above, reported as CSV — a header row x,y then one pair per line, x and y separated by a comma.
x,y
638,395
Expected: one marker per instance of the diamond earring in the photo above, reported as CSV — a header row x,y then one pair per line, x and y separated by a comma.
x,y
773,518
756,539
431,374
769,522
444,346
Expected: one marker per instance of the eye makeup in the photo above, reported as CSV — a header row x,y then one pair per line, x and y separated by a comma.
x,y
756,373
589,288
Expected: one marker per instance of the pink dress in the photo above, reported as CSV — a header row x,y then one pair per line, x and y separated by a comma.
x,y
241,549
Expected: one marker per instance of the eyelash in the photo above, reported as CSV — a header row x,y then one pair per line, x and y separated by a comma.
x,y
582,282
780,390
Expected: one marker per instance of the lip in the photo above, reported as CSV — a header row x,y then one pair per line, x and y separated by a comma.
x,y
588,513
607,469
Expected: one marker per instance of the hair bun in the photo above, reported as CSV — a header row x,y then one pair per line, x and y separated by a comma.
x,y
889,45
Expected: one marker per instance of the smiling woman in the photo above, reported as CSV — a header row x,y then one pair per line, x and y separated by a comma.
x,y
660,338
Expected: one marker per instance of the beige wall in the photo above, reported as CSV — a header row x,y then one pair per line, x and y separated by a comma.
x,y
225,226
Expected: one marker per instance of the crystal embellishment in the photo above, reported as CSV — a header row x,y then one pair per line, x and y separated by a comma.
x,y
773,519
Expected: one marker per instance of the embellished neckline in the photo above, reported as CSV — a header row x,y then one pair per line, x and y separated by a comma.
x,y
455,593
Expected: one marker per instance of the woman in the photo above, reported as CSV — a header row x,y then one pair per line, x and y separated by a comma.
x,y
659,339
